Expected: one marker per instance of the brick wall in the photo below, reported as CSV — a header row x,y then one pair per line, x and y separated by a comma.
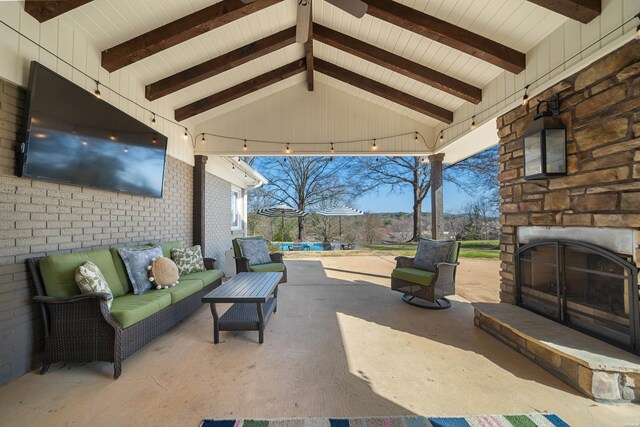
x,y
39,218
600,107
218,220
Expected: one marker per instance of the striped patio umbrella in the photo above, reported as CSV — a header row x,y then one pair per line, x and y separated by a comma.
x,y
340,211
282,211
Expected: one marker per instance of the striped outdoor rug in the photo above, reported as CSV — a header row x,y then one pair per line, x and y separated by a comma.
x,y
522,420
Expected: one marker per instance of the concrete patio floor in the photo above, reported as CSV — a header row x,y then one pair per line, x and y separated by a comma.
x,y
341,344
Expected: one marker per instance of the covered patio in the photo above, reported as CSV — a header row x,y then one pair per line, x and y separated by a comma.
x,y
341,343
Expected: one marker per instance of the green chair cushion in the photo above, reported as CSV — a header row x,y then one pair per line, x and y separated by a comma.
x,y
167,246
182,290
207,277
130,309
453,255
58,272
414,275
265,268
236,247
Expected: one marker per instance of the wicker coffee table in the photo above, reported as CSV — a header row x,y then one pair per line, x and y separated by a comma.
x,y
254,297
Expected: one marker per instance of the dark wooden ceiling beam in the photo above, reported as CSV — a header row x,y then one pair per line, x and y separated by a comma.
x,y
240,90
583,11
397,63
45,10
308,51
222,63
448,34
179,31
383,91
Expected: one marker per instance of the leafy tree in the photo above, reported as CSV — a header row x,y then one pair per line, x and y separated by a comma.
x,y
472,175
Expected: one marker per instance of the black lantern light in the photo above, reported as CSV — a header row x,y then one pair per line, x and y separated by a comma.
x,y
545,143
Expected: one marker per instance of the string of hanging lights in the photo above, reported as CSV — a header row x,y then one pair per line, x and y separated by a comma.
x,y
288,150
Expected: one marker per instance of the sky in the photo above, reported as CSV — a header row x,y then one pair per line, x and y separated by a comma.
x,y
402,200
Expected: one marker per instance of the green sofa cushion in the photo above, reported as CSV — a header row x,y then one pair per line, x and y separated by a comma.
x,y
58,272
264,268
130,309
414,275
121,270
182,290
207,277
236,248
167,246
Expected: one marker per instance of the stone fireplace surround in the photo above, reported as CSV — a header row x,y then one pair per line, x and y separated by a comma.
x,y
600,106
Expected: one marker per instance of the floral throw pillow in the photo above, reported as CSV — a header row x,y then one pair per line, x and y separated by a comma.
x,y
188,260
90,279
430,253
255,250
136,261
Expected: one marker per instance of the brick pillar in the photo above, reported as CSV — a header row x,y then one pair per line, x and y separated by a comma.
x,y
437,208
199,202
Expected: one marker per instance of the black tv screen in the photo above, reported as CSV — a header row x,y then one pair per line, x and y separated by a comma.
x,y
74,137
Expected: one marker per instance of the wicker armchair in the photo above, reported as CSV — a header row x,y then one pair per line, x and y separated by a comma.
x,y
426,289
242,264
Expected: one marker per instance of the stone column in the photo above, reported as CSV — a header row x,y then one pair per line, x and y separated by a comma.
x,y
199,202
437,208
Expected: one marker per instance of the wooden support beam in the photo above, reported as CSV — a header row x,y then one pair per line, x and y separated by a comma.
x,y
384,91
437,201
448,34
45,10
583,11
308,51
220,64
397,63
240,90
179,31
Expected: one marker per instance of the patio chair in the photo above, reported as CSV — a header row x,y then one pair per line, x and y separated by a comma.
x,y
243,266
426,289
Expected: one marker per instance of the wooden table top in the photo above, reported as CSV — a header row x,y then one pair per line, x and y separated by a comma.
x,y
245,287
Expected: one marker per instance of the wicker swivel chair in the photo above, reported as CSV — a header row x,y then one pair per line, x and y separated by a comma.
x,y
242,263
426,289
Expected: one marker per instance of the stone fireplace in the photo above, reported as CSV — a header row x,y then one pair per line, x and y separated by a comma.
x,y
569,244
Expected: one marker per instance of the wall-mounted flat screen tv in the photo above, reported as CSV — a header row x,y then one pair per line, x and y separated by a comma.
x,y
74,137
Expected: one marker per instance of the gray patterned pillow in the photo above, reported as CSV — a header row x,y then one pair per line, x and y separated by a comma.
x,y
255,250
188,260
136,262
90,279
430,253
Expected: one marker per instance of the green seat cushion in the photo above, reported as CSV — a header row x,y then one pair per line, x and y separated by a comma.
x,y
167,246
265,268
182,290
121,270
130,309
414,275
207,277
58,272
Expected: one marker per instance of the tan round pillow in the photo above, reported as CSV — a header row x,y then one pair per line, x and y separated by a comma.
x,y
163,272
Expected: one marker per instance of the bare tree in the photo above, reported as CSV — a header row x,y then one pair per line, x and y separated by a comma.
x,y
306,182
472,175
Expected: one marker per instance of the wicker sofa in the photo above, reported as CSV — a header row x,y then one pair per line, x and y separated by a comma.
x,y
81,327
242,264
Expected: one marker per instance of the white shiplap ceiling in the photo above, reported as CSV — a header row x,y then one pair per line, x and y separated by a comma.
x,y
518,24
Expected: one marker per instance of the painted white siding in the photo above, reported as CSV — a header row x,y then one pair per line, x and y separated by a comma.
x,y
62,37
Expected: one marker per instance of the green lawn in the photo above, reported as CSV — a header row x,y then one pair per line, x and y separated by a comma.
x,y
469,249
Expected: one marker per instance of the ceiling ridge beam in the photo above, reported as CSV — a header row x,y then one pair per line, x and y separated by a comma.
x,y
397,63
308,51
448,34
220,64
46,10
179,31
240,90
583,11
384,91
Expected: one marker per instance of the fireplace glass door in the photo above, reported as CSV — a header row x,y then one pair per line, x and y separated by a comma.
x,y
583,286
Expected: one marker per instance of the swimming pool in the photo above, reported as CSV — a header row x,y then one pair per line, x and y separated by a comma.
x,y
304,246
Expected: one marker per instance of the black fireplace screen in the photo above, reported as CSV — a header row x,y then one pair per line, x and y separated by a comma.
x,y
583,286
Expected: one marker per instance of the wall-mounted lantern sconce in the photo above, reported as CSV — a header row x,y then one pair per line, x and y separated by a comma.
x,y
545,143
